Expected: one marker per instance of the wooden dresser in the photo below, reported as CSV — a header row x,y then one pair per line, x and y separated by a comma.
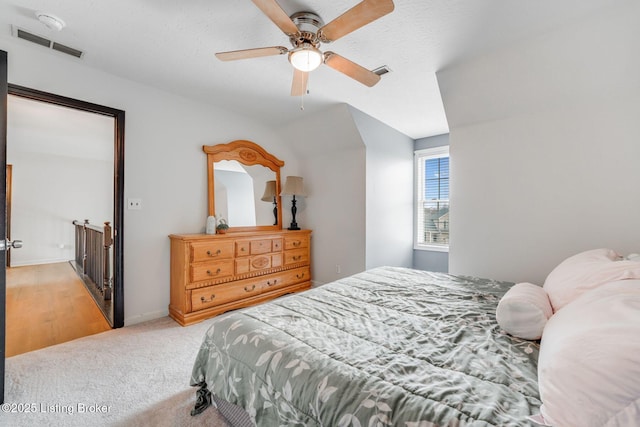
x,y
211,274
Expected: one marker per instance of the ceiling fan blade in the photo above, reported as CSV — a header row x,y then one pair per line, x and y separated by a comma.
x,y
251,53
351,69
299,85
272,9
358,16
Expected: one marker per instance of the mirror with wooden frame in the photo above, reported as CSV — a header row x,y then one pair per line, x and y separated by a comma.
x,y
244,186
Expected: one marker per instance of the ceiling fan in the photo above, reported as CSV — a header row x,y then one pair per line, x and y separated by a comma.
x,y
306,32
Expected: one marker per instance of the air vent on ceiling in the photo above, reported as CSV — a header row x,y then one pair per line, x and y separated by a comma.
x,y
21,34
66,49
43,41
382,70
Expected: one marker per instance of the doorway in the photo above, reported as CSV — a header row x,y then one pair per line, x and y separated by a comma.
x,y
61,245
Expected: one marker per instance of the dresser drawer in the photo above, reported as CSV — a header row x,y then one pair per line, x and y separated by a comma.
x,y
296,242
286,278
211,270
296,256
221,294
257,247
204,251
257,263
260,246
243,248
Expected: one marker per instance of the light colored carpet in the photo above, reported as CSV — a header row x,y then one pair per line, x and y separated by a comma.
x,y
134,376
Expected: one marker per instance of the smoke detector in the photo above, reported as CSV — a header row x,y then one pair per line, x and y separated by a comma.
x,y
51,21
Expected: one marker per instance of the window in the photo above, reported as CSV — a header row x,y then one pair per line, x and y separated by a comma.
x,y
432,199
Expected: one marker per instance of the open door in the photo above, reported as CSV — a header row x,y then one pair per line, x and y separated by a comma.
x,y
3,212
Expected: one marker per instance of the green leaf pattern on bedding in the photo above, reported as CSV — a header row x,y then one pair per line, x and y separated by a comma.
x,y
387,347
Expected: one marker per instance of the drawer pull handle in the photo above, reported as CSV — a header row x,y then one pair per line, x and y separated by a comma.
x,y
212,254
270,283
300,276
247,289
297,257
242,249
211,274
204,300
297,243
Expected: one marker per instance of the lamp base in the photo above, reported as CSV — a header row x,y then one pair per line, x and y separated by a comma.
x,y
294,224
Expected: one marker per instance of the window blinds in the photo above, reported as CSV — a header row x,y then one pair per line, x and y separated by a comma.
x,y
432,198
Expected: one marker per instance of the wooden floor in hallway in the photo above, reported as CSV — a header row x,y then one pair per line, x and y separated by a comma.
x,y
46,305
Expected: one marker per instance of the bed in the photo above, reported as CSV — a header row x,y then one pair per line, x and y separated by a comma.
x,y
386,347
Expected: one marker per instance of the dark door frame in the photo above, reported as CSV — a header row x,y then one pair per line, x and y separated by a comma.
x,y
118,193
3,201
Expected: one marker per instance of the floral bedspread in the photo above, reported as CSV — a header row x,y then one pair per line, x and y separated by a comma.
x,y
386,347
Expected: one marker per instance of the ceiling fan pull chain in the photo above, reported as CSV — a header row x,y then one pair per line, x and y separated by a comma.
x,y
304,92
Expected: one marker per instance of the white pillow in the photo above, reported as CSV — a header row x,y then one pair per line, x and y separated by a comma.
x,y
584,271
524,310
589,364
634,257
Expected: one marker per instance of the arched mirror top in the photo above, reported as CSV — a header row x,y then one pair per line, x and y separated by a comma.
x,y
240,177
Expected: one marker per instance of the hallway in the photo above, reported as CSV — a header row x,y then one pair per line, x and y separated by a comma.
x,y
46,305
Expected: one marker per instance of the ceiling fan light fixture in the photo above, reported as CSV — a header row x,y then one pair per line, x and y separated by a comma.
x,y
306,57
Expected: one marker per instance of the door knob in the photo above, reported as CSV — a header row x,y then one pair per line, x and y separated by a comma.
x,y
8,244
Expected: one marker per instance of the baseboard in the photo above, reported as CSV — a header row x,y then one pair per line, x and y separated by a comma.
x,y
128,321
37,262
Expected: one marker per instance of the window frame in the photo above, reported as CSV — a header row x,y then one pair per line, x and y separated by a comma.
x,y
421,155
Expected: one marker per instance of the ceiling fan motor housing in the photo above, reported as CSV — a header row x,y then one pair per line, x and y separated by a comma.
x,y
308,24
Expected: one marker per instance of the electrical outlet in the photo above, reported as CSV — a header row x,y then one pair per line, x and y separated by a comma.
x,y
134,204
338,268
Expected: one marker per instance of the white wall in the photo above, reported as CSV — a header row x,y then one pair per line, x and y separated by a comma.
x,y
164,165
332,164
544,149
348,159
49,192
389,197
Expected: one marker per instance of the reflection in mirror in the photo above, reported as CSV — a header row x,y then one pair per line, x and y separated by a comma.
x,y
270,195
239,193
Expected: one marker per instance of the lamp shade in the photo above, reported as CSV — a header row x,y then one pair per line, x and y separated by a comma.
x,y
293,187
269,191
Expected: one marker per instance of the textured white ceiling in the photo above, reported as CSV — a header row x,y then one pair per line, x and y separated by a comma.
x,y
171,44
